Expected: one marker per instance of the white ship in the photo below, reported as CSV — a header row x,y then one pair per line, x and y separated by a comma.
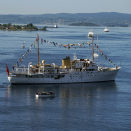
x,y
96,54
91,34
71,71
106,30
55,26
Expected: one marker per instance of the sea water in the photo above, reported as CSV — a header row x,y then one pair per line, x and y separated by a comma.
x,y
101,106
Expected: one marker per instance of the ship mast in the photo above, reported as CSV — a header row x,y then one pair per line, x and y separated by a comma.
x,y
92,49
38,48
91,35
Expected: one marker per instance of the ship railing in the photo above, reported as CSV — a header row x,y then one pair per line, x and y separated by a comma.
x,y
64,72
112,68
105,69
101,68
19,70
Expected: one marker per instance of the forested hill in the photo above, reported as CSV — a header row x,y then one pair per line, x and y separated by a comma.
x,y
103,18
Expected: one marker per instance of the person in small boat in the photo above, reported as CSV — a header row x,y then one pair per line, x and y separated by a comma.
x,y
51,92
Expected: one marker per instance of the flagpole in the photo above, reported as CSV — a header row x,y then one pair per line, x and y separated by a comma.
x,y
38,48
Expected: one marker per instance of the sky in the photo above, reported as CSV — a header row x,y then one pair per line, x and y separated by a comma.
x,y
63,6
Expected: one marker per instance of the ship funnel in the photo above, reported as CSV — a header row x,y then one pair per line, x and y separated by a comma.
x,y
66,62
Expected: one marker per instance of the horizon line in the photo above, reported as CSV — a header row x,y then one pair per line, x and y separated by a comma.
x,y
65,13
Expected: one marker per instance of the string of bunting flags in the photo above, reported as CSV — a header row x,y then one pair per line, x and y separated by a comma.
x,y
77,45
102,54
24,55
65,46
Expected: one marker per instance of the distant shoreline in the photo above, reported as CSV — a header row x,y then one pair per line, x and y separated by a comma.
x,y
92,24
28,27
83,24
102,18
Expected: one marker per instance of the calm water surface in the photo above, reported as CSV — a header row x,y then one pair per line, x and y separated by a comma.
x,y
103,106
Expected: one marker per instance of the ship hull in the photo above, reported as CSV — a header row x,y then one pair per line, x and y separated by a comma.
x,y
73,77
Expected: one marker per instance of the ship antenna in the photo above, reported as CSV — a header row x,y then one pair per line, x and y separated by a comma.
x,y
38,48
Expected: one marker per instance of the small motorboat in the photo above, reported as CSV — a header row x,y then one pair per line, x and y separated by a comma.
x,y
45,94
96,54
106,30
91,34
